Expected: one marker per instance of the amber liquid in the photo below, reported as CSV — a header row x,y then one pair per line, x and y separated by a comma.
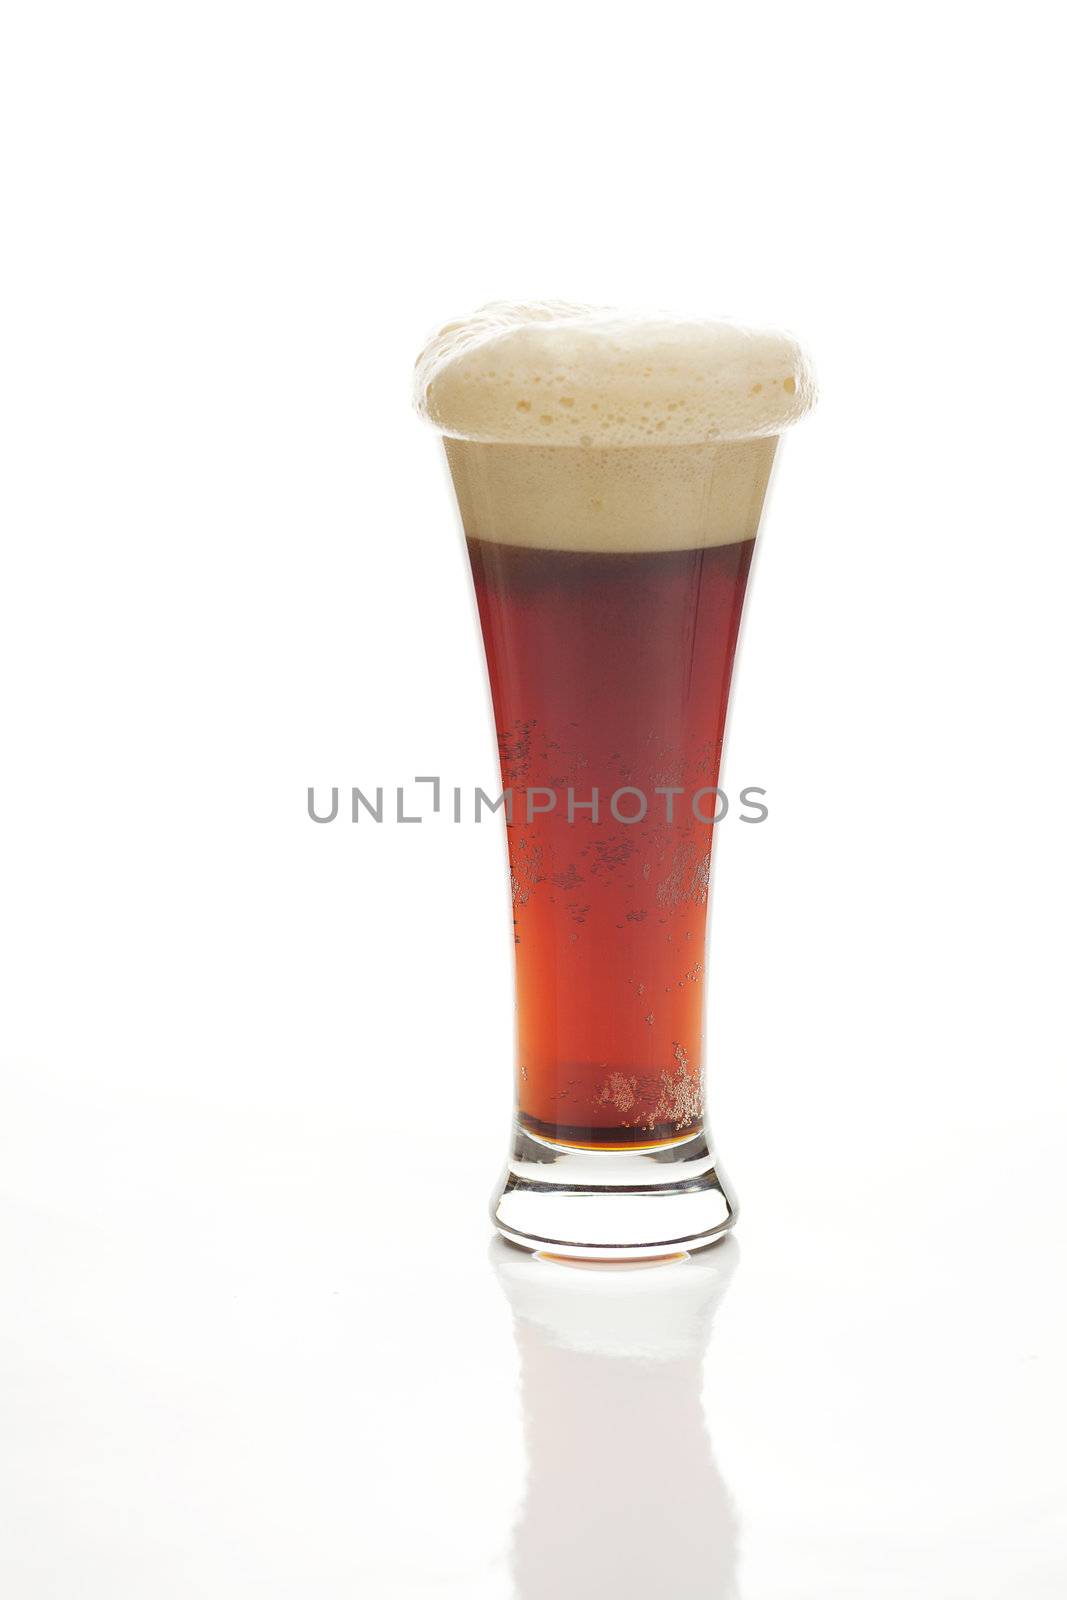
x,y
610,671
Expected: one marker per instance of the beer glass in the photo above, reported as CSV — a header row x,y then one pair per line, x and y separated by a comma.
x,y
610,473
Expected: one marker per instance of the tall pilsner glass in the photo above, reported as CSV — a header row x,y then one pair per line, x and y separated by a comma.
x,y
610,472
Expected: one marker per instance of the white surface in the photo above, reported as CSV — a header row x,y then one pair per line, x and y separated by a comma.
x,y
252,1338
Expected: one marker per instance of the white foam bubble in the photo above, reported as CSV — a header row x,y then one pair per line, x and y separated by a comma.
x,y
554,375
573,428
680,497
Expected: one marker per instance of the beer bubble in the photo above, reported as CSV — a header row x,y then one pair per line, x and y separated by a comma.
x,y
665,436
731,381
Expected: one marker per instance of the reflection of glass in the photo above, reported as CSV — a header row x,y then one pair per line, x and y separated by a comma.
x,y
610,473
623,1496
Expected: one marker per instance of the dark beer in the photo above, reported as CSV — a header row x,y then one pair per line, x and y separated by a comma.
x,y
610,675
610,472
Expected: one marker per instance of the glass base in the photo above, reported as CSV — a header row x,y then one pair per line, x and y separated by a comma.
x,y
612,1205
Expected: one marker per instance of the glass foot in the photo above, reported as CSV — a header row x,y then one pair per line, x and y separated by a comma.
x,y
613,1205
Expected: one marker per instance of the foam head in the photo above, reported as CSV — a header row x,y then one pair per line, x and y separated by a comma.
x,y
583,428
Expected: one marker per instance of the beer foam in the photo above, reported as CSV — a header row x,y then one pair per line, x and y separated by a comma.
x,y
679,497
553,375
573,428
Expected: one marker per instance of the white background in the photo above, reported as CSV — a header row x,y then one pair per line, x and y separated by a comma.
x,y
253,1341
